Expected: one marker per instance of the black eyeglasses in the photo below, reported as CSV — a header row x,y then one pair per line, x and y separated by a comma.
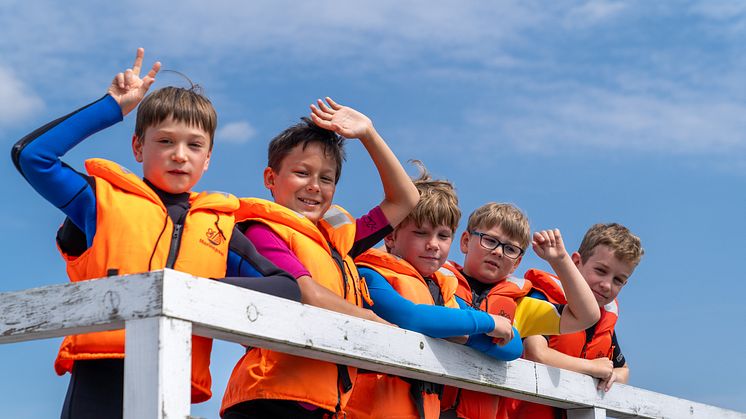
x,y
492,243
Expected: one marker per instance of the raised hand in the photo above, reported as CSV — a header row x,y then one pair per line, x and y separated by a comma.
x,y
343,120
503,330
548,245
128,88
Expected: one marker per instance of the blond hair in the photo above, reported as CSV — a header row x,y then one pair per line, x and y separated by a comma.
x,y
625,245
510,219
438,203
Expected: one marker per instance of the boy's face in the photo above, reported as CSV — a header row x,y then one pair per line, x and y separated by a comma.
x,y
487,266
305,182
605,273
426,247
174,155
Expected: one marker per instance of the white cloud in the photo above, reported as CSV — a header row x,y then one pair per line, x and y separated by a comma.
x,y
16,100
235,133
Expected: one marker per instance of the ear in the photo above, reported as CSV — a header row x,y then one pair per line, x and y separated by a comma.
x,y
269,178
465,242
137,148
207,161
576,259
389,240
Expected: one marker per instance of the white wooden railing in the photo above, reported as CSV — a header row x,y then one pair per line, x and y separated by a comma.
x,y
160,310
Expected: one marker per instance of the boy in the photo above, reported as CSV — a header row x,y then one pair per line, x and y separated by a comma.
x,y
316,242
494,242
607,257
410,288
119,224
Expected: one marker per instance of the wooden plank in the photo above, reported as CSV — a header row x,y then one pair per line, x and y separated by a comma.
x,y
157,368
586,413
250,318
86,306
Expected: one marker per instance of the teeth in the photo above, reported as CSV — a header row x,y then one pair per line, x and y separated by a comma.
x,y
308,201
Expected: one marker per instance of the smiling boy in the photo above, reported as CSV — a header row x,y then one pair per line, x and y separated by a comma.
x,y
607,257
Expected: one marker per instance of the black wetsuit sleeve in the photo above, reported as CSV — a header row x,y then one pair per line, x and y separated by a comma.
x,y
248,269
617,356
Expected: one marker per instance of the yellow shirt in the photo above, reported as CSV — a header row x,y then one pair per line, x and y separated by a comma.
x,y
536,317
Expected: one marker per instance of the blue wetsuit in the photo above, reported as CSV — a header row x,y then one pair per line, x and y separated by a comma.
x,y
438,321
96,386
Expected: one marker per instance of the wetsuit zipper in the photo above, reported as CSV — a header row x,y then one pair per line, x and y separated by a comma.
x,y
173,250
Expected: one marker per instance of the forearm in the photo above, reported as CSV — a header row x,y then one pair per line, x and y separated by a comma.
x,y
537,350
581,310
400,194
622,374
37,155
485,344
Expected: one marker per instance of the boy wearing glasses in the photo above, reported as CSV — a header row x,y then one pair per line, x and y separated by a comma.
x,y
494,242
607,257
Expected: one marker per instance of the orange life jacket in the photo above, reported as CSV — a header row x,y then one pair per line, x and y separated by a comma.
x,y
499,300
388,396
323,250
133,235
579,344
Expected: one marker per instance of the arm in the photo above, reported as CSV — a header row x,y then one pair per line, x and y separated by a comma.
x,y
431,320
248,269
400,194
508,352
538,350
37,155
315,294
581,310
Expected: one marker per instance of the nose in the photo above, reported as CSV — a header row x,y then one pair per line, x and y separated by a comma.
x,y
179,153
498,250
432,243
313,184
605,285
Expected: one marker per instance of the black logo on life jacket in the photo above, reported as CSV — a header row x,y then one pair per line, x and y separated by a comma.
x,y
215,236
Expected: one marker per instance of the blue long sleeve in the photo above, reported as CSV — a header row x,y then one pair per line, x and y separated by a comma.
x,y
483,343
435,321
37,158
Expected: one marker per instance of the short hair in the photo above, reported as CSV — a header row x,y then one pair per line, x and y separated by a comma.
x,y
625,245
304,133
438,203
188,106
508,217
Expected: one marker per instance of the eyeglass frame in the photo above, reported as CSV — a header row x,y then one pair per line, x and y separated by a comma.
x,y
499,243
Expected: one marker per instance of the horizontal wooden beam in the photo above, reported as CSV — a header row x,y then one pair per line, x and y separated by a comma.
x,y
250,318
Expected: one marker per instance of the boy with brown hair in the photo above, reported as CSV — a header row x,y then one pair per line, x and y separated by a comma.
x,y
607,257
410,288
120,224
494,243
303,233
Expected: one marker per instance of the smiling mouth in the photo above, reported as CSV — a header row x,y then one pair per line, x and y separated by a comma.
x,y
310,202
178,172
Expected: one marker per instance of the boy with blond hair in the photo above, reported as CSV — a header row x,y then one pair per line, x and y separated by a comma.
x,y
494,243
607,257
410,288
118,223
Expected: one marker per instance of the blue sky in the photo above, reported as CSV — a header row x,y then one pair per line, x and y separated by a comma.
x,y
584,112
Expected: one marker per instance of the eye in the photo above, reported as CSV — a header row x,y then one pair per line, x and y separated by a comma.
x,y
164,141
419,233
444,236
600,271
511,250
327,179
196,145
489,241
619,281
301,173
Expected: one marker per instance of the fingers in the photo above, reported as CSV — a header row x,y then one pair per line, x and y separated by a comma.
x,y
149,79
138,61
333,104
119,80
318,120
320,113
323,106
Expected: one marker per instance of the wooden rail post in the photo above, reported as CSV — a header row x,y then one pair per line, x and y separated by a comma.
x,y
157,368
586,413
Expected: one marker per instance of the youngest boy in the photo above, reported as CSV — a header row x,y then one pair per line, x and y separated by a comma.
x,y
410,288
494,243
607,257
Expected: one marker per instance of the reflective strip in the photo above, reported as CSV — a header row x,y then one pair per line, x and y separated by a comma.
x,y
336,218
446,272
225,194
612,307
520,282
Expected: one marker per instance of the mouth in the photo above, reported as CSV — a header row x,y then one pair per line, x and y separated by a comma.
x,y
599,296
492,263
309,202
178,172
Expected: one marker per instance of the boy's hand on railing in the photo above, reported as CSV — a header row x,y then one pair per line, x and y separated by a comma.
x,y
128,89
372,316
549,246
601,368
343,120
503,331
